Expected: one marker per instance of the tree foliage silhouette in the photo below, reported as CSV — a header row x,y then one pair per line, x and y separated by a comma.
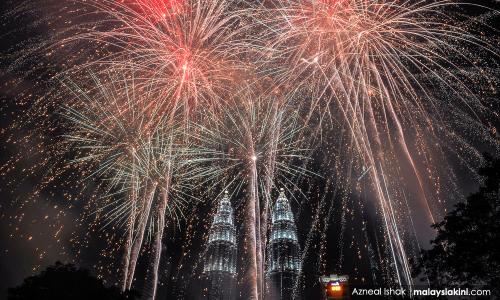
x,y
65,281
466,250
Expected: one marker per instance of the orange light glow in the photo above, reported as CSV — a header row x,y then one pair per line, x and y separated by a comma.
x,y
336,288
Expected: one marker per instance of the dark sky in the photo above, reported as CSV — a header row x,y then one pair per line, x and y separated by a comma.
x,y
36,231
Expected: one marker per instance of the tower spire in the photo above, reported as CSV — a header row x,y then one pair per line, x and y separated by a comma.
x,y
283,251
220,258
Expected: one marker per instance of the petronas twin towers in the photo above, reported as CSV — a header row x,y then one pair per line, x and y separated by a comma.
x,y
283,252
220,257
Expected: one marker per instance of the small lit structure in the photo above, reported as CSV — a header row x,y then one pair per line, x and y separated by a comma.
x,y
335,286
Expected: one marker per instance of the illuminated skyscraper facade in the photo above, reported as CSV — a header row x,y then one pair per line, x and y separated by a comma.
x,y
220,259
283,251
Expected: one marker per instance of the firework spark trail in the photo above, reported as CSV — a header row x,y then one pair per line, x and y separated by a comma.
x,y
320,223
187,58
111,127
267,186
130,226
371,255
361,60
370,247
159,236
141,229
366,65
339,187
309,239
418,251
392,230
173,163
151,165
253,272
256,138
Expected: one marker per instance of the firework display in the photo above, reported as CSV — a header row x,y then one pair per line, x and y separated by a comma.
x,y
360,110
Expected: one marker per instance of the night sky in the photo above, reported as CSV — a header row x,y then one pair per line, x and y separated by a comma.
x,y
340,229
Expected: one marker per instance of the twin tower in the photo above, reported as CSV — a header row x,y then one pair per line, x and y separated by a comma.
x,y
283,254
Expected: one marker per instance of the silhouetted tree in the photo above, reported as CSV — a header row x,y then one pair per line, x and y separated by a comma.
x,y
466,250
65,281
